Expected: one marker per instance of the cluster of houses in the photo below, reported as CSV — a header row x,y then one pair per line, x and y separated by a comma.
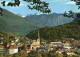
x,y
40,47
62,48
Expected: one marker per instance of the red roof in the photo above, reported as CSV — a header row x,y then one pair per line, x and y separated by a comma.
x,y
13,47
59,50
65,43
22,51
1,46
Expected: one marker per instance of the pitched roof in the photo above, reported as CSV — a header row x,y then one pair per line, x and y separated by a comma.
x,y
13,47
22,51
54,42
1,46
65,43
59,50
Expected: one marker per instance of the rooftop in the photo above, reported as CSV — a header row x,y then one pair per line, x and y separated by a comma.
x,y
54,42
13,47
1,46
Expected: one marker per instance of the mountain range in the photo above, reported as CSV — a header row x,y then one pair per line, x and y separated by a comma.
x,y
16,24
53,19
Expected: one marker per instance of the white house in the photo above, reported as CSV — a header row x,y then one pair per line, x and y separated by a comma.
x,y
70,53
59,51
55,44
12,43
2,49
66,45
13,49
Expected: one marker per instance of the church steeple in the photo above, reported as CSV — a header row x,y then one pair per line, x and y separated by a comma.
x,y
38,37
38,34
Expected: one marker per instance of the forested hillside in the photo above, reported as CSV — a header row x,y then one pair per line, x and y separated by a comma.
x,y
6,34
71,30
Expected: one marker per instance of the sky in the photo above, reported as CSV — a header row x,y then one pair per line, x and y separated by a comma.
x,y
56,6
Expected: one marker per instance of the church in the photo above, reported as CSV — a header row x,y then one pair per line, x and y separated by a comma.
x,y
36,43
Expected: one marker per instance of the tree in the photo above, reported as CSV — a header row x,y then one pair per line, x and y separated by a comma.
x,y
24,47
16,55
51,54
71,14
65,13
1,11
32,54
38,55
45,54
58,55
39,5
77,3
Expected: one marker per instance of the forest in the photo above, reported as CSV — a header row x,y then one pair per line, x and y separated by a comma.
x,y
70,30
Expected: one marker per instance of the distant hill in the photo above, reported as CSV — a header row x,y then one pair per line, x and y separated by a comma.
x,y
16,24
50,19
70,30
6,34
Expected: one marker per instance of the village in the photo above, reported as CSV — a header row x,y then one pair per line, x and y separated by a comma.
x,y
16,46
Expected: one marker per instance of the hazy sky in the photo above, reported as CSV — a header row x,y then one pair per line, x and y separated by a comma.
x,y
58,6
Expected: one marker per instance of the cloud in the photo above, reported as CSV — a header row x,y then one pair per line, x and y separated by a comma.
x,y
71,2
23,16
22,4
59,0
6,3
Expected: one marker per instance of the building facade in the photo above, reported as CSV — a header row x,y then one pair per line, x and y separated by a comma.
x,y
13,49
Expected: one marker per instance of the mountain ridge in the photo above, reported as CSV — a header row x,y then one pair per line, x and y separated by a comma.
x,y
16,24
53,19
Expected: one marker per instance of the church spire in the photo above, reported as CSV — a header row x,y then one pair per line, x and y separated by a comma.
x,y
38,34
38,37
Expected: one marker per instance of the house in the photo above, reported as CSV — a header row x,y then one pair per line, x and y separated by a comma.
x,y
1,42
25,51
16,40
70,53
55,44
70,38
12,43
66,45
7,45
42,50
13,49
28,50
59,51
2,49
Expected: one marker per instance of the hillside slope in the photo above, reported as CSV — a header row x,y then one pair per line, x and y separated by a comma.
x,y
53,19
16,24
71,30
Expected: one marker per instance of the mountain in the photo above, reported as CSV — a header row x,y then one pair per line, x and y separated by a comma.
x,y
50,19
16,24
70,30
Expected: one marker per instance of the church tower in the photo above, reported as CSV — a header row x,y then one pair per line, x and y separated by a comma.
x,y
38,40
36,43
